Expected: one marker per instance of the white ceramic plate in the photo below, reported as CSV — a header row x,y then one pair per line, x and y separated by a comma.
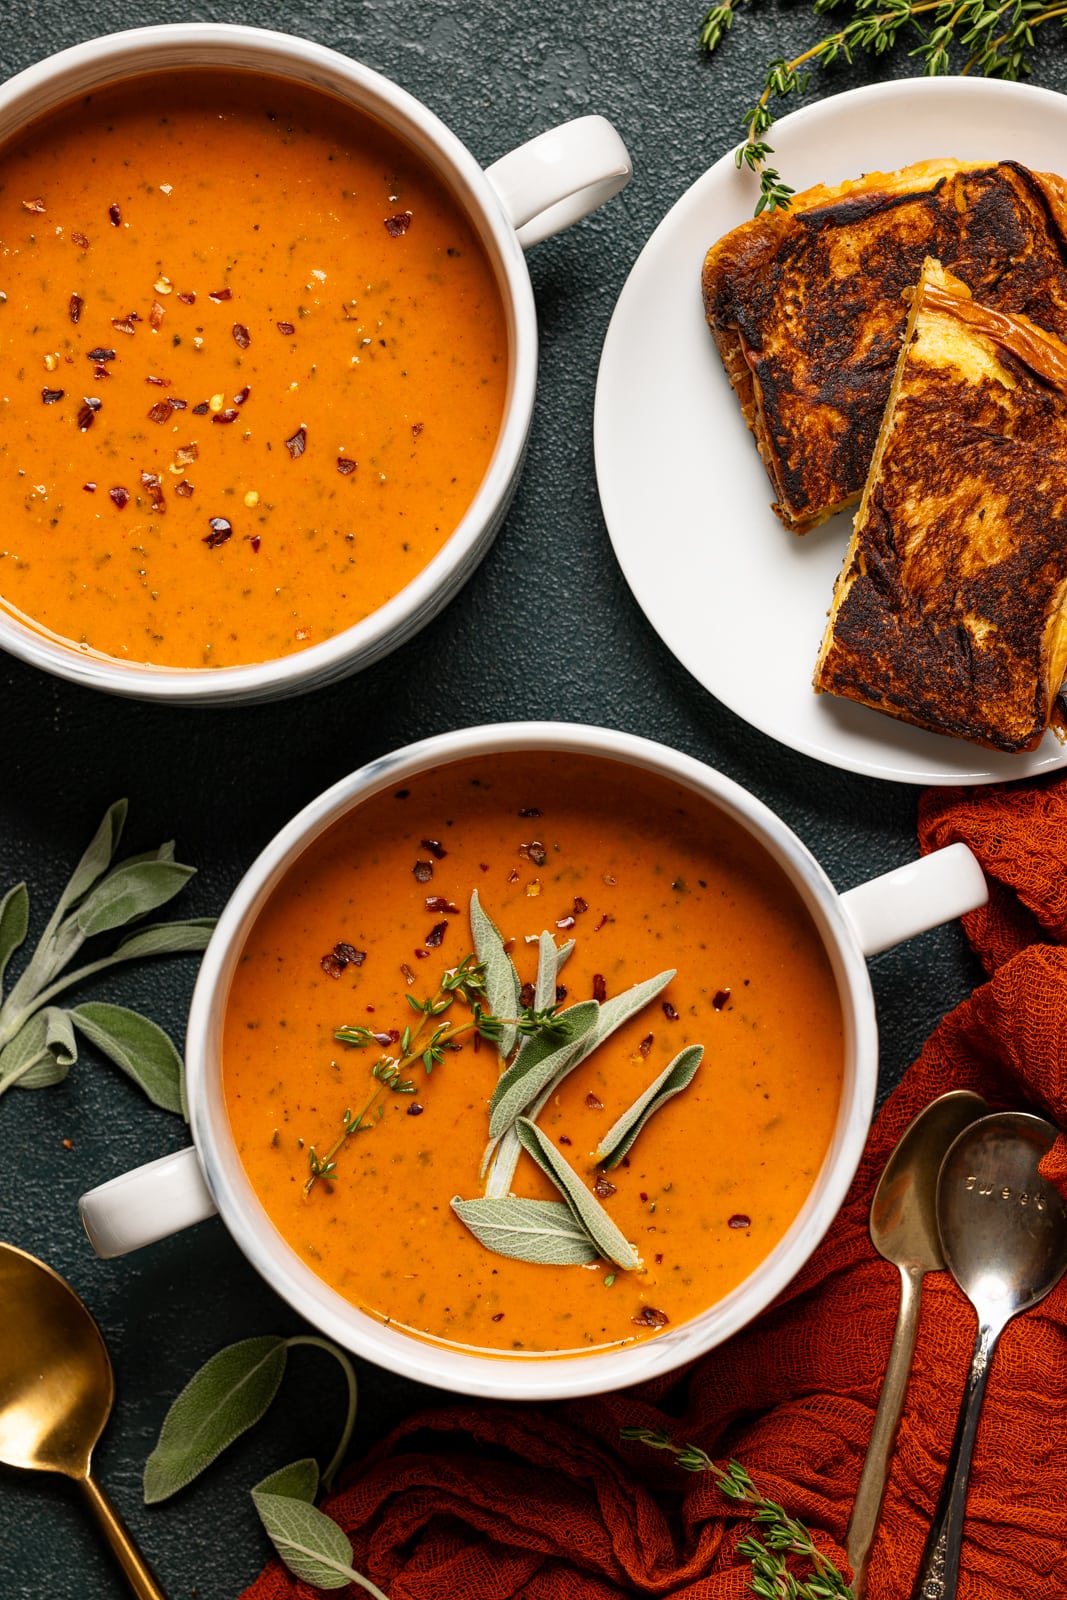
x,y
740,601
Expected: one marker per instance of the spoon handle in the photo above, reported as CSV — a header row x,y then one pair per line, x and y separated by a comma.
x,y
940,1568
868,1504
130,1559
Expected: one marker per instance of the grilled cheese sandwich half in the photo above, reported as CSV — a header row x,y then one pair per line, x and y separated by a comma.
x,y
807,311
951,608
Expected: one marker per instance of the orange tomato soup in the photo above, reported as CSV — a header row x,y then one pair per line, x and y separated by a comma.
x,y
643,876
255,363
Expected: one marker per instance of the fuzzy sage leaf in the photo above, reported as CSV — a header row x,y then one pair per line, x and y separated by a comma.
x,y
547,1053
618,1140
41,1053
14,921
310,1543
137,1045
297,1481
501,980
131,890
608,1238
546,1232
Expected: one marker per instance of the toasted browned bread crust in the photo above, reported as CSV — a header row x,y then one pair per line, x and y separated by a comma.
x,y
806,305
951,609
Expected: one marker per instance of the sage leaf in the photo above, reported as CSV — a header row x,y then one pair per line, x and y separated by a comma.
x,y
166,939
310,1543
220,1402
548,1053
298,1481
97,858
41,1053
609,1239
549,964
14,921
137,1045
672,1080
131,890
501,980
543,1231
621,1007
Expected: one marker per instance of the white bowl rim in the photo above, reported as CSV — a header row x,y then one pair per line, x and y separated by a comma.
x,y
507,1376
113,57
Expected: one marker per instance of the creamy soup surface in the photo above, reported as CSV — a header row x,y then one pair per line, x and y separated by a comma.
x,y
254,367
643,876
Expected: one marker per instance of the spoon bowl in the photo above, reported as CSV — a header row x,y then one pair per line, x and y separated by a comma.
x,y
904,1231
56,1393
1003,1232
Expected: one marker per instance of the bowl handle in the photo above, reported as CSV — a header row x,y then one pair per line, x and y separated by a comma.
x,y
146,1204
900,904
560,176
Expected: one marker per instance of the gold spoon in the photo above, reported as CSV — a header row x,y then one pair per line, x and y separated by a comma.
x,y
904,1231
56,1391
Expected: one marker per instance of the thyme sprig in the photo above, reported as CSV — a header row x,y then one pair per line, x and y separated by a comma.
x,y
783,1536
465,983
970,36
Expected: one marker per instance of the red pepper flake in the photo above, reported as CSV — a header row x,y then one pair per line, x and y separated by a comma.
x,y
561,993
415,1110
526,995
349,953
580,905
33,205
185,489
346,955
564,923
160,412
87,413
513,875
659,1257
498,1316
124,324
416,429
345,465
643,1197
530,811
646,1044
287,328
409,976
187,297
221,530
593,1102
436,935
241,336
153,487
437,902
720,998
649,1317
229,415
221,294
422,955
739,1220
242,395
297,443
423,871
120,496
114,215
50,396
398,224
435,847
102,353
178,405
101,372
605,919
600,988
156,315
603,1188
332,967
563,1139
669,1012
80,240
201,408
90,488
186,454
75,307
255,543
535,852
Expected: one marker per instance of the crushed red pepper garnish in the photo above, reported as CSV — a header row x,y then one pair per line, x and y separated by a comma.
x,y
156,315
120,496
220,294
526,995
600,988
187,297
87,413
564,923
739,1220
114,215
603,1188
75,306
221,530
398,224
650,1317
345,466
50,396
201,408
90,488
435,847
286,328
242,395
185,489
437,902
720,998
102,353
160,412
436,935
669,1012
33,205
80,240
241,336
594,1102
646,1044
296,444
535,852
153,486
229,415
255,543
124,324
415,1110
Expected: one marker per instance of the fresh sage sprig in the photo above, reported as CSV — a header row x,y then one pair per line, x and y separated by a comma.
x,y
229,1394
783,1535
546,1232
972,36
310,1543
611,1243
620,1137
38,1039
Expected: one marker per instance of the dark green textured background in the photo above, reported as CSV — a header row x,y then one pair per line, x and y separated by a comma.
x,y
547,628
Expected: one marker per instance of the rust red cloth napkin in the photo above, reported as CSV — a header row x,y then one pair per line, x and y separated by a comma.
x,y
509,1502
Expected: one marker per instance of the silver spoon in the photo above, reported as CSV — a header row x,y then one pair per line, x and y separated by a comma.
x,y
1004,1236
904,1231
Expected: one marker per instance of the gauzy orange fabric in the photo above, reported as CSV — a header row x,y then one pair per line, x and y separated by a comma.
x,y
473,1501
